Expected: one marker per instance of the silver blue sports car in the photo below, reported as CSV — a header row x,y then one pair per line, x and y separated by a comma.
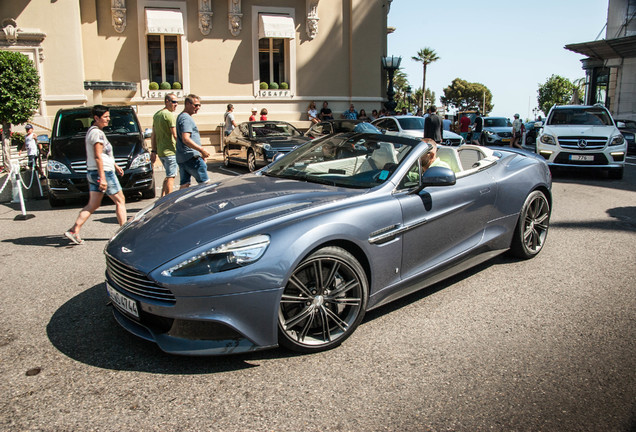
x,y
296,253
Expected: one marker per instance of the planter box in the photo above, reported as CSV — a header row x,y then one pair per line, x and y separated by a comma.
x,y
161,94
274,93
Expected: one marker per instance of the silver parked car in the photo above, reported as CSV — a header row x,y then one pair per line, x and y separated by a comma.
x,y
296,253
413,126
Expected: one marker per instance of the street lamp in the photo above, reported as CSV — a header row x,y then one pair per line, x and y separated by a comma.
x,y
408,96
391,64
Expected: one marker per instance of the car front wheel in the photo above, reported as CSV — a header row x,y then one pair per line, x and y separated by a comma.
x,y
323,302
251,161
532,227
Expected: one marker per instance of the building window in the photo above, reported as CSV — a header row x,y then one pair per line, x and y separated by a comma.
x,y
163,59
274,50
272,55
600,86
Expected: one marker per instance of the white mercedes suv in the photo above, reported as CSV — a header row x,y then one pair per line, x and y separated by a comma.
x,y
582,136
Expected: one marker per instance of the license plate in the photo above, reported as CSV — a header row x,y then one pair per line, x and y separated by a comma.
x,y
505,140
581,158
124,303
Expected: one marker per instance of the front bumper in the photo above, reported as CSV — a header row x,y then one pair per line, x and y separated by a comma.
x,y
205,325
608,158
67,186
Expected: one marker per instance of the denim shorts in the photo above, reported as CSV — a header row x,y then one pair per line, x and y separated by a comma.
x,y
195,167
112,187
170,165
476,136
33,161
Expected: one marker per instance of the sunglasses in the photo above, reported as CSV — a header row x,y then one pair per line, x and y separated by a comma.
x,y
174,102
197,105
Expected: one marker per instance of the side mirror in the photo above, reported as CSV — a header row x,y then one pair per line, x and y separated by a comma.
x,y
620,124
147,133
278,156
437,176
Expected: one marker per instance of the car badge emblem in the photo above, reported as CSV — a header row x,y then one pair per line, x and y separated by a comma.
x,y
448,142
124,249
582,143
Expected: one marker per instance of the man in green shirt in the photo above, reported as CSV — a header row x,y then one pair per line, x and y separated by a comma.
x,y
164,139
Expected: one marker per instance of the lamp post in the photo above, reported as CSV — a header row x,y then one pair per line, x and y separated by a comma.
x,y
391,64
408,97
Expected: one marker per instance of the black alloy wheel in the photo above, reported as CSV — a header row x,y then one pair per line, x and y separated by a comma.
x,y
532,227
251,161
323,302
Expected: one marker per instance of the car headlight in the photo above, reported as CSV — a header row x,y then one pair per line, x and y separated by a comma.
x,y
489,133
547,139
141,160
222,258
266,147
54,166
617,140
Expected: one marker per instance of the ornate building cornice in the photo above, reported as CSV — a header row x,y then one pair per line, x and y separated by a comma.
x,y
312,18
205,16
13,36
118,13
235,17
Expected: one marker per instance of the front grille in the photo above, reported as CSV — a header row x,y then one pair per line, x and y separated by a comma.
x,y
452,141
564,158
80,166
130,280
505,134
591,143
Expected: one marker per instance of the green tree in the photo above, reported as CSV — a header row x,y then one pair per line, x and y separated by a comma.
x,y
555,91
464,95
430,96
19,94
426,56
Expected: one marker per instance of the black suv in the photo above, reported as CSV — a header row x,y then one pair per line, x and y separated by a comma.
x,y
66,164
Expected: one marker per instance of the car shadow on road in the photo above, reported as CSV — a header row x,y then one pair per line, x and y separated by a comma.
x,y
84,329
624,220
56,241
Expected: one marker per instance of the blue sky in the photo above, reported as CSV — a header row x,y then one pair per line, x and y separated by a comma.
x,y
511,47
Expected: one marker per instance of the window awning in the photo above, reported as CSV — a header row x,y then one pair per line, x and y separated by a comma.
x,y
164,21
605,49
276,26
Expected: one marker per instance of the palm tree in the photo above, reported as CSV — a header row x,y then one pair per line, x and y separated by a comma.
x,y
426,56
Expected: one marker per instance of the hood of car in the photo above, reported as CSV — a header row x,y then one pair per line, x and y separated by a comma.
x,y
580,130
74,148
282,142
499,129
196,216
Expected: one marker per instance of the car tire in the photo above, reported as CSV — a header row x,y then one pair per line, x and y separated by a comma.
x,y
532,227
226,157
323,302
55,202
616,173
251,161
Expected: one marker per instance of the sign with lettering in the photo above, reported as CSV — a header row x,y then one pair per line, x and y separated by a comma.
x,y
274,93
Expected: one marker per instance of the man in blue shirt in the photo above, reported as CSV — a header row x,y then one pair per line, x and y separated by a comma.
x,y
190,154
351,114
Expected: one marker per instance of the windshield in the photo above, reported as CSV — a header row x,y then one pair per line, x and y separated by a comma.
x,y
345,160
273,129
496,122
413,123
590,116
77,123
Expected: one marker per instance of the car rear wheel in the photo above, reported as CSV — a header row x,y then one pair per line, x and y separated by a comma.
x,y
323,302
251,161
532,227
226,157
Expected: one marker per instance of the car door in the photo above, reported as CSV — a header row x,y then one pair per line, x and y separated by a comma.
x,y
233,141
443,223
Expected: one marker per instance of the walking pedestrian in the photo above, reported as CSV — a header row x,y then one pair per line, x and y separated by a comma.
x,y
478,127
33,149
101,173
517,125
164,141
253,116
447,123
464,126
190,154
433,126
230,122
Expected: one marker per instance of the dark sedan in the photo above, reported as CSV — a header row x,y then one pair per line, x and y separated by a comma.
x,y
329,127
628,129
254,144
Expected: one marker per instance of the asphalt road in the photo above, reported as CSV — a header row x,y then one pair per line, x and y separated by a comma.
x,y
542,345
